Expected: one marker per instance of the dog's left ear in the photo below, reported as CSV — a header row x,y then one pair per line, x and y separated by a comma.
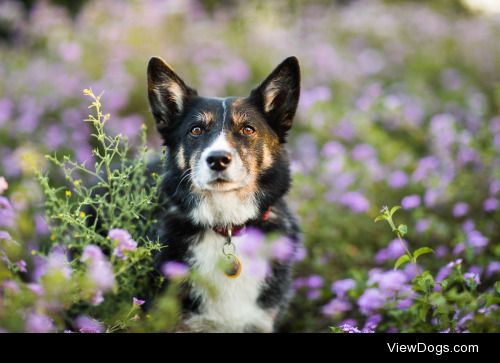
x,y
277,97
167,94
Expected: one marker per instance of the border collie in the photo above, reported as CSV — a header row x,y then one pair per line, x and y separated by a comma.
x,y
227,172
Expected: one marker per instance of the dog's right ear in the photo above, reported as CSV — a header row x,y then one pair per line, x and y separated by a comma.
x,y
167,93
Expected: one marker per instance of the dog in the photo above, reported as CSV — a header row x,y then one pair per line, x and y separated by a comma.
x,y
225,178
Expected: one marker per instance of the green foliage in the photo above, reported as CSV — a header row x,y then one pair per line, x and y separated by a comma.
x,y
120,196
400,231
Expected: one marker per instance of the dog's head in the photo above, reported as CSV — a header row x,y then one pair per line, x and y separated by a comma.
x,y
223,145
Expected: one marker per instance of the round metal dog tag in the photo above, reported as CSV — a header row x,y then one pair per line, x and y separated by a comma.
x,y
234,266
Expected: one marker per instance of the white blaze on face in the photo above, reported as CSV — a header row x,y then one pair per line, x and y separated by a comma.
x,y
235,171
235,174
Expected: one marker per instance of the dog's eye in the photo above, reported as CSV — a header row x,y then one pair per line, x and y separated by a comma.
x,y
247,130
196,131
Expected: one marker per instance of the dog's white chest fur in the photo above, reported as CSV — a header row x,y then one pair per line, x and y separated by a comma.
x,y
232,305
224,208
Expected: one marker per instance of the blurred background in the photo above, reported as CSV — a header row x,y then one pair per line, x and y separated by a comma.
x,y
399,105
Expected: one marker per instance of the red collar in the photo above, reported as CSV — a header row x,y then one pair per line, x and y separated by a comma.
x,y
237,230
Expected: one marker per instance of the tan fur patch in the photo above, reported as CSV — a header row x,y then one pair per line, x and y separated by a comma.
x,y
181,161
174,90
270,93
206,117
177,94
238,116
267,158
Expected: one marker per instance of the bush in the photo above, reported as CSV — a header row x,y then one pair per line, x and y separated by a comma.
x,y
98,263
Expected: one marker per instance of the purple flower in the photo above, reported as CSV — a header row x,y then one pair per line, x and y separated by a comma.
x,y
70,51
92,253
425,166
392,282
395,249
493,268
458,249
313,294
137,302
39,323
461,323
299,283
355,201
345,130
252,242
6,108
411,271
7,213
476,269
85,324
392,251
494,187
11,285
468,226
332,148
335,307
490,204
371,300
341,287
477,240
124,242
404,304
282,249
398,179
174,269
37,289
100,272
422,225
97,298
410,201
300,254
374,275
471,278
455,263
236,70
21,265
5,236
348,328
430,197
314,281
372,322
363,152
441,251
41,227
460,209
56,262
311,96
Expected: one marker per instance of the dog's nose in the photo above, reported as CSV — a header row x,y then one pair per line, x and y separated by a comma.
x,y
218,160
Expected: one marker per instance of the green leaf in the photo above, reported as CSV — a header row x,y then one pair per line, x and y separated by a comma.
x,y
403,259
422,251
336,329
444,284
379,218
424,282
394,209
402,229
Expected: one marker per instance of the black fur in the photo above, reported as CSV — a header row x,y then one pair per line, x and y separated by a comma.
x,y
175,110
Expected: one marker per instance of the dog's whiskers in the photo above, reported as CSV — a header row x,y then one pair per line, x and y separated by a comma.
x,y
184,176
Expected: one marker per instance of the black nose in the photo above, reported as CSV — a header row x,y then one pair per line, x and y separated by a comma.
x,y
218,160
